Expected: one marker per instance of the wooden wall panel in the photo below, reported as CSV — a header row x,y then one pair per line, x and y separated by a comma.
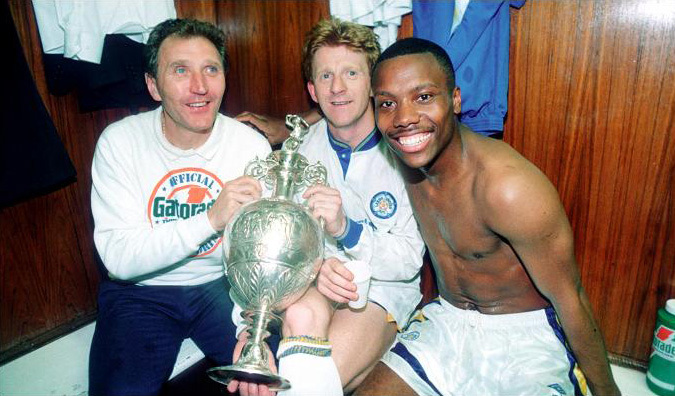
x,y
591,102
264,41
265,44
48,265
204,10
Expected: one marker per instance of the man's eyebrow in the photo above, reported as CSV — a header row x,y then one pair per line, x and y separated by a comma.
x,y
178,62
187,62
383,93
425,86
417,88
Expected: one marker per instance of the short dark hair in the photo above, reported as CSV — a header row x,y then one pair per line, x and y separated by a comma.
x,y
184,28
413,45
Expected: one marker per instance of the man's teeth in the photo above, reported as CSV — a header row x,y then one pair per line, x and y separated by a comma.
x,y
200,104
414,139
340,103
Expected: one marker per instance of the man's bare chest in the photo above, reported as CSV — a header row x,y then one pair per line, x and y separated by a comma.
x,y
453,226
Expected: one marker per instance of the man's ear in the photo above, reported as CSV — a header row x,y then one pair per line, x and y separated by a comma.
x,y
151,83
311,90
457,100
225,86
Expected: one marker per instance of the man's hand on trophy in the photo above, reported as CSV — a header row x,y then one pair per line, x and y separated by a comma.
x,y
235,193
248,388
335,281
325,203
274,129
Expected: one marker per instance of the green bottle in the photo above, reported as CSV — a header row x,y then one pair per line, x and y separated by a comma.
x,y
661,373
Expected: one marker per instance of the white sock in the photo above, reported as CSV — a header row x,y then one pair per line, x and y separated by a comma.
x,y
307,363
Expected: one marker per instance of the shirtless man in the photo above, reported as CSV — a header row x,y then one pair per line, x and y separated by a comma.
x,y
501,245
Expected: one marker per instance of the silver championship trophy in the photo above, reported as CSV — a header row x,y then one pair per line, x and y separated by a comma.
x,y
275,251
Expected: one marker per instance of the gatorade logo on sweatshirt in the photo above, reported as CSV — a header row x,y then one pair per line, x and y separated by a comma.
x,y
181,194
664,343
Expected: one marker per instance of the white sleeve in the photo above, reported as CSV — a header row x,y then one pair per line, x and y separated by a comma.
x,y
238,320
395,254
77,29
128,244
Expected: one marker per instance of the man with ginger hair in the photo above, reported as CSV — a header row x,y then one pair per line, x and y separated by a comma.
x,y
328,346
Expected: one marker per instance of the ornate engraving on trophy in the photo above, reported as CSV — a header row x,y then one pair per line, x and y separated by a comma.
x,y
274,250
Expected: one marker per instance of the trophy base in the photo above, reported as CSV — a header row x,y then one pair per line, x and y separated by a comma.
x,y
225,374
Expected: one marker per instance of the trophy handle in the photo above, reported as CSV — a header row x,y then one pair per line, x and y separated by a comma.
x,y
315,174
285,171
261,169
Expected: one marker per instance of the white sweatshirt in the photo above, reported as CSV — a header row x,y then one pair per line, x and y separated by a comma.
x,y
149,198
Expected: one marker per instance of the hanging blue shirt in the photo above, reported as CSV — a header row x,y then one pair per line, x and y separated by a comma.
x,y
479,50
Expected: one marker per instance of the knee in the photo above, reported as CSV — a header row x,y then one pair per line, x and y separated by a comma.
x,y
306,318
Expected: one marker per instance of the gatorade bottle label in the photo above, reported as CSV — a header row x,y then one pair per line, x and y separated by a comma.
x,y
661,374
664,343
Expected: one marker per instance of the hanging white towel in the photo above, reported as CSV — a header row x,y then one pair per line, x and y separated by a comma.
x,y
383,15
77,28
460,9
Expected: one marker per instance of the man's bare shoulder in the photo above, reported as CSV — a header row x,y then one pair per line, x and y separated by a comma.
x,y
508,186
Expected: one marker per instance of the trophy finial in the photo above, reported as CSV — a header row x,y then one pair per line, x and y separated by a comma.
x,y
286,170
299,129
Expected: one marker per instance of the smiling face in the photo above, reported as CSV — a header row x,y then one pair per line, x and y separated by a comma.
x,y
414,109
341,86
190,84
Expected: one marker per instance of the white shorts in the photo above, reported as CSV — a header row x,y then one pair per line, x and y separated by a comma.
x,y
399,298
445,350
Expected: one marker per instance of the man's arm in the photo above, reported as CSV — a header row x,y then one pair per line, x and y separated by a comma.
x,y
394,253
130,246
525,209
274,129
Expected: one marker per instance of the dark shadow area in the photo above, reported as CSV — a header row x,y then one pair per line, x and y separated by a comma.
x,y
195,381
